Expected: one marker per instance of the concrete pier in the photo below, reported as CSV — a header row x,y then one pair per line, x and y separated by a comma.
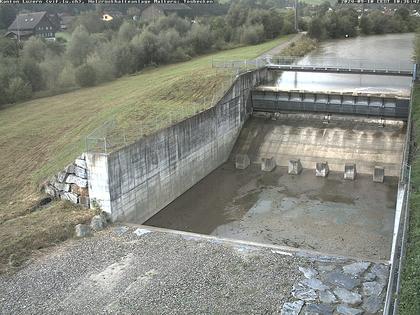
x,y
322,169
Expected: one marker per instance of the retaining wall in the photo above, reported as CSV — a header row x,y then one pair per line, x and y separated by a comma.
x,y
137,181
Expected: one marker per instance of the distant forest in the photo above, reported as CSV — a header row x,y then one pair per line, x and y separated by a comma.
x,y
94,51
99,51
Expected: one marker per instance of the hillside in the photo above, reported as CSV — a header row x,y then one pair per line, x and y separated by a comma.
x,y
40,137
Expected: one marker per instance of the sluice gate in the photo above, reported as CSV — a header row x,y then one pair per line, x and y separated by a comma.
x,y
271,99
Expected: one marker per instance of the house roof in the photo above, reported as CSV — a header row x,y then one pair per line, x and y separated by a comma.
x,y
172,6
27,21
20,33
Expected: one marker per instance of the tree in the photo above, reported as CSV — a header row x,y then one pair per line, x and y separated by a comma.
x,y
80,46
252,34
365,25
7,15
200,38
34,48
8,47
146,48
91,21
316,28
85,76
127,31
18,90
32,74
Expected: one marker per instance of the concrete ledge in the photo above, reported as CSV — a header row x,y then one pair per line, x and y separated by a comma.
x,y
350,171
295,167
242,161
322,169
378,174
268,164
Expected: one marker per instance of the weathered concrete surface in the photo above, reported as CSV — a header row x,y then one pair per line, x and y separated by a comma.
x,y
139,271
144,177
306,137
330,214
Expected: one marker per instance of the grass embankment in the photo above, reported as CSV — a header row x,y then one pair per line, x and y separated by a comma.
x,y
410,286
39,137
301,47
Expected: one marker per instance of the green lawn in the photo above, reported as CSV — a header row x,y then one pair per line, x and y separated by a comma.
x,y
410,286
40,137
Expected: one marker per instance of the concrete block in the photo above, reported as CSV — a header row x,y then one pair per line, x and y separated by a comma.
x,y
51,190
97,223
242,161
70,169
80,172
61,177
268,164
73,179
80,163
70,197
79,190
378,174
84,201
322,169
83,230
61,186
295,167
350,171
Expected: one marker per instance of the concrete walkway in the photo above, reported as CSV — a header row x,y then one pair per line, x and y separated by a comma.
x,y
135,270
277,50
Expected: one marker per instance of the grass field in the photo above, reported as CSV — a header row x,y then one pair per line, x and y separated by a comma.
x,y
410,286
40,137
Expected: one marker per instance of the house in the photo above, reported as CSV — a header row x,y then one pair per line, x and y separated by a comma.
x,y
110,15
156,10
31,24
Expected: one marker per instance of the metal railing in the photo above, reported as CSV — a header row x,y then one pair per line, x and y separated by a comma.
x,y
400,238
338,63
112,135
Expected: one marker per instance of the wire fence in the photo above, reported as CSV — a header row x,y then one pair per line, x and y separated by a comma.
x,y
112,134
343,63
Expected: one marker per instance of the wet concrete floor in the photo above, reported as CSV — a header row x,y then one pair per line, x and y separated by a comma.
x,y
324,214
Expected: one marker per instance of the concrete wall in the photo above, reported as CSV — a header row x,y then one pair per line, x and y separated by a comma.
x,y
345,139
137,181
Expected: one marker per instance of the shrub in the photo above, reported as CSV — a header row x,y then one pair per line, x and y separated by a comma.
x,y
33,74
252,34
85,75
18,90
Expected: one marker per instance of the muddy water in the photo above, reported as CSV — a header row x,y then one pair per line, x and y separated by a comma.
x,y
394,50
324,214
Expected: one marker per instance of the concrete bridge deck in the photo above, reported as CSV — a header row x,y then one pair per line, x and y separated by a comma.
x,y
340,69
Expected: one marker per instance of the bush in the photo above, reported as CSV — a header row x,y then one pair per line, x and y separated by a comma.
x,y
127,31
34,48
252,34
80,46
85,76
18,90
33,74
103,69
67,77
200,38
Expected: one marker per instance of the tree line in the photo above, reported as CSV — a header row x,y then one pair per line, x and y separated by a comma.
x,y
99,51
347,22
